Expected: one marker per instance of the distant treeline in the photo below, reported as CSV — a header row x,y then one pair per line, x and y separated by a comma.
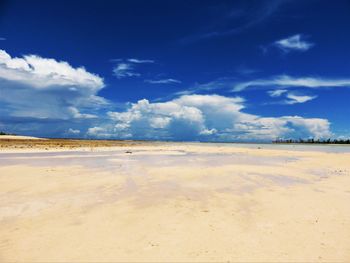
x,y
5,133
318,141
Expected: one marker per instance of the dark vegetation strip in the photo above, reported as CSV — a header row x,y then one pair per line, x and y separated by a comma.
x,y
313,141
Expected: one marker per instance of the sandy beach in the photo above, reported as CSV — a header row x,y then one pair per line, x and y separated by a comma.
x,y
178,202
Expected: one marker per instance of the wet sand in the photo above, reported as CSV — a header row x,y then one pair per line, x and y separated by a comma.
x,y
173,202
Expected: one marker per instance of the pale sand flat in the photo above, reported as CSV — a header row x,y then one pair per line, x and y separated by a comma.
x,y
187,203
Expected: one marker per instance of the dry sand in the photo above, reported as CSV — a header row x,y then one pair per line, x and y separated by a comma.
x,y
174,202
18,137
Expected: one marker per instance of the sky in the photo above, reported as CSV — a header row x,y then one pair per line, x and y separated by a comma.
x,y
220,71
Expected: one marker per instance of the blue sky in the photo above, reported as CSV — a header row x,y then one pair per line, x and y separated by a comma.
x,y
175,70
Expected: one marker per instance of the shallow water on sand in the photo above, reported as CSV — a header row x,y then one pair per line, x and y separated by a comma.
x,y
328,148
136,162
112,159
131,162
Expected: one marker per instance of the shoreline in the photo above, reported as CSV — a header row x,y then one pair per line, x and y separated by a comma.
x,y
59,145
26,142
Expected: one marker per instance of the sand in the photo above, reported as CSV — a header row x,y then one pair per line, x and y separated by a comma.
x,y
18,137
24,142
167,202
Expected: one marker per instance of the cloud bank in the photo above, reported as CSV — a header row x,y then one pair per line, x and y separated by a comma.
x,y
45,95
44,73
44,89
205,118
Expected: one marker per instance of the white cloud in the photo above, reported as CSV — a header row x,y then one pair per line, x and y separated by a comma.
x,y
219,84
294,98
43,73
76,114
277,92
98,132
43,88
206,117
125,70
296,42
288,81
162,81
95,130
291,97
140,61
73,131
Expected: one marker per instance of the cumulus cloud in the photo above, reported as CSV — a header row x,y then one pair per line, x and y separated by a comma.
x,y
293,43
162,81
288,82
44,73
35,89
206,118
73,131
99,132
76,114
